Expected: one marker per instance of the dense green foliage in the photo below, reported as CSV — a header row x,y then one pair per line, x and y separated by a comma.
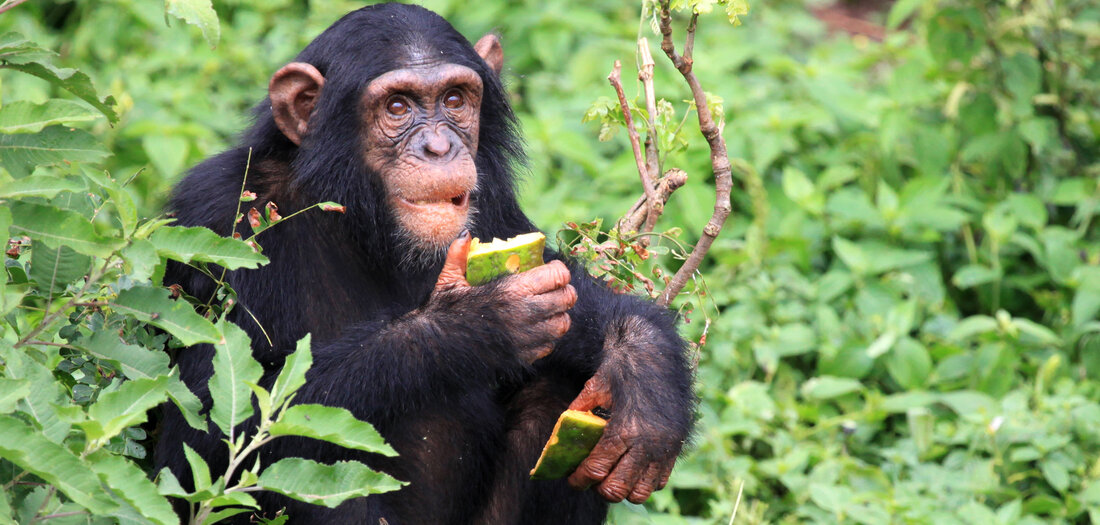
x,y
903,320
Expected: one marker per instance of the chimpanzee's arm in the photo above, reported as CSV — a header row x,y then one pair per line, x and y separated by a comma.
x,y
639,371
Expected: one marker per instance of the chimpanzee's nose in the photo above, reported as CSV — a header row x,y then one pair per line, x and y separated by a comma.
x,y
436,145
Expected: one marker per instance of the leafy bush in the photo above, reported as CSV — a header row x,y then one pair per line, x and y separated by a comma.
x,y
903,319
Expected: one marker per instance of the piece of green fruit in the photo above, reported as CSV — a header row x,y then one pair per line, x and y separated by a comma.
x,y
489,260
574,436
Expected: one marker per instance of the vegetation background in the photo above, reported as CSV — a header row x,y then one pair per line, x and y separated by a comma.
x,y
902,328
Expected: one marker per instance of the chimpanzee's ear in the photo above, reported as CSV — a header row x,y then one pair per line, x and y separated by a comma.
x,y
490,50
294,91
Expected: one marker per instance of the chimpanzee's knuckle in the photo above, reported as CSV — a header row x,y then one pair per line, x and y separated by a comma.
x,y
613,490
641,492
560,324
570,296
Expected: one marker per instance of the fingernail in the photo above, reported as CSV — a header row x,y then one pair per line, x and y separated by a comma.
x,y
465,234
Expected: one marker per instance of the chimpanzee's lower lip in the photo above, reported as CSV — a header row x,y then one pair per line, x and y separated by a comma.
x,y
459,201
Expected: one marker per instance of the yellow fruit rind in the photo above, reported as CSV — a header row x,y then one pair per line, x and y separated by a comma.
x,y
574,436
489,260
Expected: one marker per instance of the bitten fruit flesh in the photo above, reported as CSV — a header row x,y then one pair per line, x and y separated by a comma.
x,y
574,436
489,260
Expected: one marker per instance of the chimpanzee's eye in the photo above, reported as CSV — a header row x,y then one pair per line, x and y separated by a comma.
x,y
453,100
397,106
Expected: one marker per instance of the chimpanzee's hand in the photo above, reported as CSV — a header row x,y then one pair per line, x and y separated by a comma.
x,y
634,457
532,304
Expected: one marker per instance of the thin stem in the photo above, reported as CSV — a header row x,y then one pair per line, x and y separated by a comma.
x,y
652,151
51,317
635,144
10,4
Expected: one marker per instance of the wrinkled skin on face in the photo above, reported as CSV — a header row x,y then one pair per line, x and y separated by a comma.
x,y
420,135
421,138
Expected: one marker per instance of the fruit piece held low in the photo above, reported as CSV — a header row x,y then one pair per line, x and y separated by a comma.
x,y
489,260
573,438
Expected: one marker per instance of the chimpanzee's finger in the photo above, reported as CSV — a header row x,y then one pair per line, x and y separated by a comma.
x,y
454,268
666,472
545,278
596,393
554,302
646,484
596,467
619,484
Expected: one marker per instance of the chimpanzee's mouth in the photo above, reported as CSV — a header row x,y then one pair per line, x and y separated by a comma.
x,y
459,201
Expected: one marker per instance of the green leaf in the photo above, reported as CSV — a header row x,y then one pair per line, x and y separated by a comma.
x,y
909,364
11,391
233,368
21,55
123,203
200,471
153,306
167,153
54,268
973,275
972,326
125,407
39,186
327,485
224,514
20,154
22,116
140,363
198,13
293,374
128,481
202,244
801,190
45,396
30,450
827,387
968,403
142,261
1037,331
333,424
901,11
59,227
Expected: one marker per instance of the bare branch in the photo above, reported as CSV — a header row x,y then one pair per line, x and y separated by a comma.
x,y
720,163
10,4
670,182
654,208
652,152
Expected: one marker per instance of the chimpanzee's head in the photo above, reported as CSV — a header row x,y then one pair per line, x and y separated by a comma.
x,y
393,113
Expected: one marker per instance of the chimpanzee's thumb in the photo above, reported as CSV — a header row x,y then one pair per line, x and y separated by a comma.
x,y
454,268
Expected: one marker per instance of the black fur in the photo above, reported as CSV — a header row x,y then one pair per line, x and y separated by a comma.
x,y
450,397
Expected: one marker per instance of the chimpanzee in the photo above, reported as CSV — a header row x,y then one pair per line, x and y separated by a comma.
x,y
392,113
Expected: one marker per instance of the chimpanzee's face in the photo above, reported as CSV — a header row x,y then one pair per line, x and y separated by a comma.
x,y
421,133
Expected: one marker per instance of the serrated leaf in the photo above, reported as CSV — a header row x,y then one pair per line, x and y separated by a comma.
x,y
45,394
59,227
198,13
123,203
328,485
233,368
21,55
293,374
135,361
333,424
125,407
15,48
30,450
224,514
49,147
11,391
202,244
131,484
153,306
53,268
23,116
39,186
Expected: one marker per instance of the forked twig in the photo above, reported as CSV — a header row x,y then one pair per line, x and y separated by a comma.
x,y
652,205
720,163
